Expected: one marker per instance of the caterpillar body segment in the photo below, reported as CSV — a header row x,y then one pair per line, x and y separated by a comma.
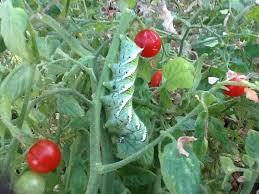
x,y
119,120
121,115
120,88
125,70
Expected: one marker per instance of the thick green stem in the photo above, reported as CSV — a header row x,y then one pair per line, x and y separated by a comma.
x,y
107,181
114,166
71,41
50,93
88,70
182,41
73,151
24,112
35,51
95,157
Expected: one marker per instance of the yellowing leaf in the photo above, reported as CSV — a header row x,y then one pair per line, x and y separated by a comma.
x,y
179,73
180,144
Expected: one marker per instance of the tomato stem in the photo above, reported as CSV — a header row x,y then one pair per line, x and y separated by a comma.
x,y
23,115
71,41
95,157
50,93
114,166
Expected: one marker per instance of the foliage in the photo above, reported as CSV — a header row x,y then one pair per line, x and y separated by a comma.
x,y
59,60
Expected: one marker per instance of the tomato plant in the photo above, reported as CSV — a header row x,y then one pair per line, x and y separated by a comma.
x,y
150,41
156,79
44,156
30,182
234,91
81,73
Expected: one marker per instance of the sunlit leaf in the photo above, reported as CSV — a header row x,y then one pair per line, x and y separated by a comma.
x,y
14,22
179,73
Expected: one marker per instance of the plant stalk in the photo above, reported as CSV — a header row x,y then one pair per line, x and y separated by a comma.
x,y
114,166
95,136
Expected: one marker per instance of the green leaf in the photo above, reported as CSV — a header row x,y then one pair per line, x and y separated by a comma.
x,y
46,46
52,179
210,42
54,69
5,113
165,99
252,144
13,25
123,4
253,14
14,85
248,160
5,107
80,122
181,174
37,117
69,106
236,4
136,176
208,97
26,129
251,49
201,145
128,146
147,159
218,132
179,73
227,165
197,74
54,11
144,70
188,125
78,180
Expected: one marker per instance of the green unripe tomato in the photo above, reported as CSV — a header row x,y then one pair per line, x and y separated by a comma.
x,y
30,182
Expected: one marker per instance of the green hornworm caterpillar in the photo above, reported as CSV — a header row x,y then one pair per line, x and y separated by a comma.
x,y
121,114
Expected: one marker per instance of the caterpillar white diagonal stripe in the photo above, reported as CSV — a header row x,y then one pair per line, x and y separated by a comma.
x,y
118,104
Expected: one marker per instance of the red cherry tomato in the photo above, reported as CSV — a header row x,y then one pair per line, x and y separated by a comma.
x,y
234,91
150,41
44,156
156,79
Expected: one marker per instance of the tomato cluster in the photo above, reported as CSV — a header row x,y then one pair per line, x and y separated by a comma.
x,y
43,157
151,42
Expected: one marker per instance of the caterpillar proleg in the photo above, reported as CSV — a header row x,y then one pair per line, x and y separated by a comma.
x,y
121,115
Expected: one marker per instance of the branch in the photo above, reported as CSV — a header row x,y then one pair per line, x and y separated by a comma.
x,y
71,41
50,93
114,166
95,130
